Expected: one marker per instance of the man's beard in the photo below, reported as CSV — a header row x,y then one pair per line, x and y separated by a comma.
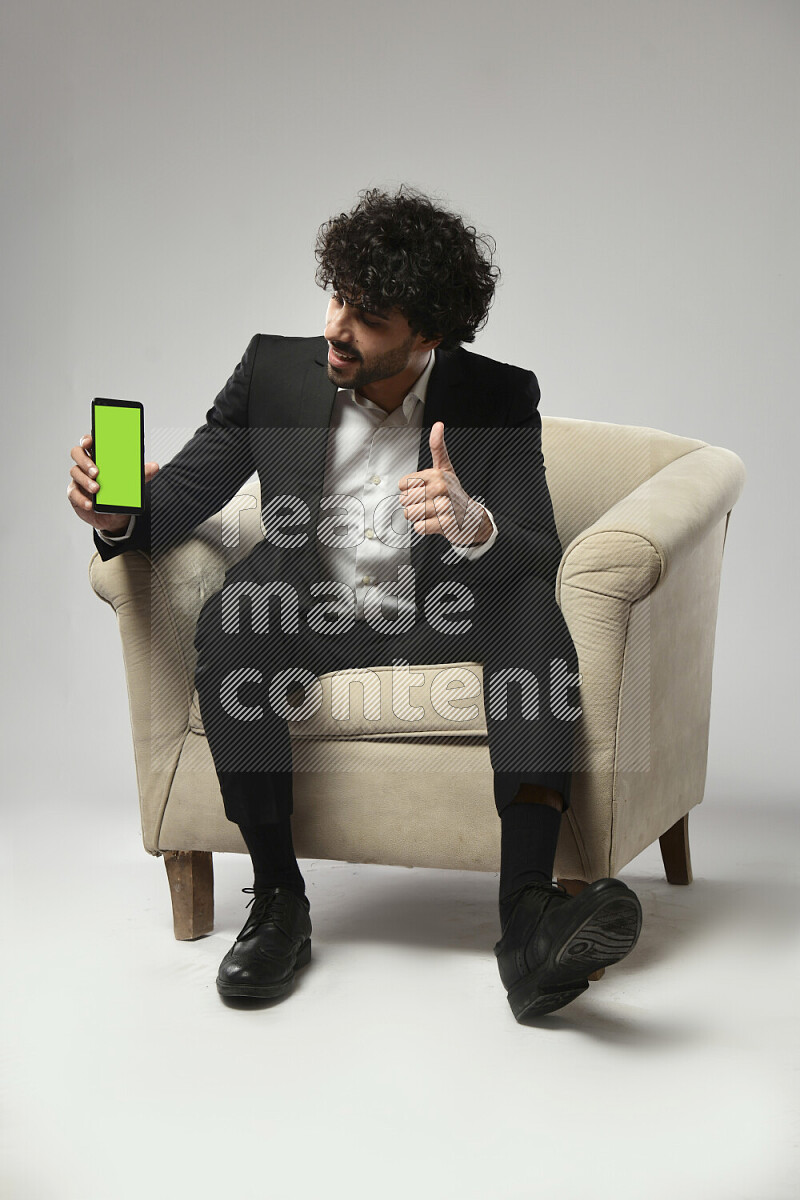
x,y
381,367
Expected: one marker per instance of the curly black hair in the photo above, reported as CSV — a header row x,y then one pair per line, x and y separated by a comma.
x,y
401,251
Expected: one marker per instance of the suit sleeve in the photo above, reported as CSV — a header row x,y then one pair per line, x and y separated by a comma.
x,y
202,476
527,540
473,553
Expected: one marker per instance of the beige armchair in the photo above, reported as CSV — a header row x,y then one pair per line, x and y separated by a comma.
x,y
642,516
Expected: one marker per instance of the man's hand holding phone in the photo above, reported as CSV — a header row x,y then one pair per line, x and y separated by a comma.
x,y
84,485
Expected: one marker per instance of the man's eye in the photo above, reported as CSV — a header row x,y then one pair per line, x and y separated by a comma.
x,y
371,318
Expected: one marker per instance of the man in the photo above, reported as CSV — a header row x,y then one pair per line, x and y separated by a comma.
x,y
443,549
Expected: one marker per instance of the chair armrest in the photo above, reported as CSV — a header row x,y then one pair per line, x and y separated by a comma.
x,y
625,619
157,602
625,553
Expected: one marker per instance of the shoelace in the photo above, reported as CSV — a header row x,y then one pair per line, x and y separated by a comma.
x,y
263,913
553,889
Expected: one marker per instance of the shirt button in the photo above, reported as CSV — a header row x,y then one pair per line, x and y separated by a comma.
x,y
375,479
370,533
366,579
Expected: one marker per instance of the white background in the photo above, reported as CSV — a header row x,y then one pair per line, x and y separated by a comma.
x,y
166,167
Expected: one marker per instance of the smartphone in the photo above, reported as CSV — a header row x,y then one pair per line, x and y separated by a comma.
x,y
118,449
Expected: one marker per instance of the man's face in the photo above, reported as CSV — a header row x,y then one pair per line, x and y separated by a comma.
x,y
364,347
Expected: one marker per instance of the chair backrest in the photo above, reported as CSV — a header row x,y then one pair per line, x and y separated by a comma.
x,y
591,465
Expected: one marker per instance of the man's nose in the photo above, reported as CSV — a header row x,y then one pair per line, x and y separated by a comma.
x,y
338,327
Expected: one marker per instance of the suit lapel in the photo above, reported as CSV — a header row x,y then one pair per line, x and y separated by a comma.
x,y
311,420
293,400
441,401
317,393
447,400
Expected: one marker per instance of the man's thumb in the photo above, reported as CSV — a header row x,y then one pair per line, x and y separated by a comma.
x,y
150,469
441,459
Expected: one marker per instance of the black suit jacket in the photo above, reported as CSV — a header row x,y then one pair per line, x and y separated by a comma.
x,y
272,417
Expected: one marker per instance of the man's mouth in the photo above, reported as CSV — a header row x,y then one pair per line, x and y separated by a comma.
x,y
337,358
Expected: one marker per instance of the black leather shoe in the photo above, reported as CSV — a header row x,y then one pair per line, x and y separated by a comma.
x,y
551,942
274,942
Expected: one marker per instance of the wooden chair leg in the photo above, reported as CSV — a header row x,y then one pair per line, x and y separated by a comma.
x,y
675,852
191,884
574,887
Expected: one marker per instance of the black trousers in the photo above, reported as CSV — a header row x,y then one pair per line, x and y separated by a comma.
x,y
249,670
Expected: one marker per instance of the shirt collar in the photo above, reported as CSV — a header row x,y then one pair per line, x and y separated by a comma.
x,y
417,394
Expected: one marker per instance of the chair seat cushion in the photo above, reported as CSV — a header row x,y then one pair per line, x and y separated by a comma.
x,y
445,700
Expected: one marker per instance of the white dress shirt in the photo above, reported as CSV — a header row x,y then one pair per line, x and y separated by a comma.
x,y
364,538
367,538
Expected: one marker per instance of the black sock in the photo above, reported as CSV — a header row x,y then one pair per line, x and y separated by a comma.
x,y
527,848
272,851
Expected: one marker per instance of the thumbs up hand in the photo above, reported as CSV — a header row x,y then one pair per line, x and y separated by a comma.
x,y
441,459
436,502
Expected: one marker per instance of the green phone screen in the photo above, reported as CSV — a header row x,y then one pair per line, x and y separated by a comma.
x,y
118,455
